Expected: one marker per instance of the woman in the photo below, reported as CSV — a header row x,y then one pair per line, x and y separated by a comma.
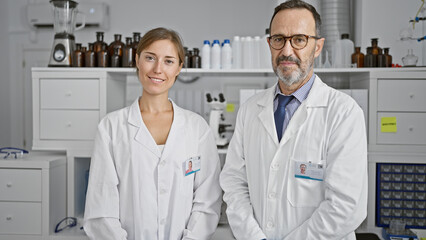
x,y
137,186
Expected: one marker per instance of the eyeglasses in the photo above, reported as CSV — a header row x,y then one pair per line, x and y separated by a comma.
x,y
10,151
298,41
67,222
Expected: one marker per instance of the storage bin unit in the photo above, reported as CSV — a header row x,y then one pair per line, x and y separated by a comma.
x,y
32,195
401,194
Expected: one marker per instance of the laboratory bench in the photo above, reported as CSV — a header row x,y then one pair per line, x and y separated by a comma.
x,y
68,103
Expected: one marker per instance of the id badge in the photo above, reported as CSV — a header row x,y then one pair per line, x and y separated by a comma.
x,y
309,170
191,165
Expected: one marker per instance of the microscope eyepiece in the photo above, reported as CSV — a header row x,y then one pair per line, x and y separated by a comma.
x,y
209,97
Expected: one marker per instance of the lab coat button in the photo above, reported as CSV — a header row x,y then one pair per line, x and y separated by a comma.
x,y
162,191
162,163
275,166
271,195
270,225
163,221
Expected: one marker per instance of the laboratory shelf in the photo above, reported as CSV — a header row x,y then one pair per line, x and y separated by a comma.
x,y
226,71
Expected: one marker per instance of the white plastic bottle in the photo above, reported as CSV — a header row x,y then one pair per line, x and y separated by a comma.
x,y
265,52
342,53
256,52
236,53
226,54
215,55
243,47
248,53
205,55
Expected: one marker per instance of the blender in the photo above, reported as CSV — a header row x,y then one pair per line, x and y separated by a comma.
x,y
64,16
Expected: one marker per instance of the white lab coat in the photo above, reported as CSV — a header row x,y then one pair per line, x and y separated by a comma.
x,y
136,190
264,198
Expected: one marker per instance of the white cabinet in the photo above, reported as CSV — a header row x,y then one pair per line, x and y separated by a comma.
x,y
397,94
32,195
68,104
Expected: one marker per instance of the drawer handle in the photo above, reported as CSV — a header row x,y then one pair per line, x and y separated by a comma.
x,y
9,218
8,185
68,94
69,124
411,95
411,129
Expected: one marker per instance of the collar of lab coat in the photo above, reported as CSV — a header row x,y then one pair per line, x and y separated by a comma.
x,y
144,137
317,97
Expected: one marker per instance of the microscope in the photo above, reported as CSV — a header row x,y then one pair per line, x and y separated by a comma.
x,y
216,117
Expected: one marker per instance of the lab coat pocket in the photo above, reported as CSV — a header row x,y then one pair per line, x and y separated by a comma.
x,y
304,191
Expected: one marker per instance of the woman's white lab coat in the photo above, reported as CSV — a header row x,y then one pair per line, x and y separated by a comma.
x,y
137,192
266,200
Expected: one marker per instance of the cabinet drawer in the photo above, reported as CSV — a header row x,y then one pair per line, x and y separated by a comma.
x,y
20,218
69,94
68,124
20,185
411,129
401,95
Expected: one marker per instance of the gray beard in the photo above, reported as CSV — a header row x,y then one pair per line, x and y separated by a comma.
x,y
298,75
294,77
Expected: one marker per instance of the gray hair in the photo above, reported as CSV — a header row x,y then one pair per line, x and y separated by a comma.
x,y
299,4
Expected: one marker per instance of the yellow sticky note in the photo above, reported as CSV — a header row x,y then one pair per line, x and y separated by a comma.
x,y
388,124
230,107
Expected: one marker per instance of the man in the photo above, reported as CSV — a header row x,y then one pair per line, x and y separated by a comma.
x,y
300,120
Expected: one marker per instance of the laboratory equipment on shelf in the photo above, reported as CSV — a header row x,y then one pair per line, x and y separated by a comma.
x,y
64,16
216,119
358,58
11,151
342,53
409,60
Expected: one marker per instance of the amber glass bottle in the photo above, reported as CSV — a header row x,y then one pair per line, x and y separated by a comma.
x,y
102,57
117,44
370,60
196,59
375,47
97,46
90,57
358,57
116,58
381,59
136,40
128,56
77,57
375,51
388,61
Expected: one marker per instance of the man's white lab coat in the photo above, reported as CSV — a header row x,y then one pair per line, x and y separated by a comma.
x,y
136,190
266,200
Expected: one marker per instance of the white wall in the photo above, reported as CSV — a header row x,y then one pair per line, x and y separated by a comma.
x,y
5,117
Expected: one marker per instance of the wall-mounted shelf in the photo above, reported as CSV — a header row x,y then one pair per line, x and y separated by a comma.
x,y
232,71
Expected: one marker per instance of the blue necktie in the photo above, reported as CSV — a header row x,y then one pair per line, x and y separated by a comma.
x,y
279,114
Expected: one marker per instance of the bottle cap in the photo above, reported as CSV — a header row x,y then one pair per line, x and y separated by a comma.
x,y
236,38
216,42
345,36
206,42
226,41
